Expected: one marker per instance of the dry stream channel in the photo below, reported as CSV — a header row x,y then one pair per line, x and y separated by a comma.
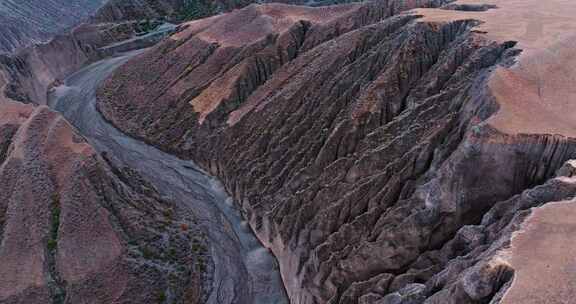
x,y
244,272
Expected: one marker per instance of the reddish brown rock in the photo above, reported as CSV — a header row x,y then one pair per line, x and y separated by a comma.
x,y
73,228
381,156
32,72
118,10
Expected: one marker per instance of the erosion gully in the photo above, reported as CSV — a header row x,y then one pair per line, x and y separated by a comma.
x,y
244,271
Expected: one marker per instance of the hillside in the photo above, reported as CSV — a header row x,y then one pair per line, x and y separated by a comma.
x,y
75,227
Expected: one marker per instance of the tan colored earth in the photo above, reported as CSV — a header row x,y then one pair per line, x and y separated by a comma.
x,y
257,21
244,27
543,257
537,95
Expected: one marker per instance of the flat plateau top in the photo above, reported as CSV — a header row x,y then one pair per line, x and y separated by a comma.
x,y
542,255
538,94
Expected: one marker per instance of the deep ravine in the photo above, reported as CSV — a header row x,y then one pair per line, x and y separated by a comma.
x,y
243,270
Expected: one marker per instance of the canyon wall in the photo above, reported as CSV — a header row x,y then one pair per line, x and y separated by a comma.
x,y
75,226
45,42
31,72
41,59
183,10
383,156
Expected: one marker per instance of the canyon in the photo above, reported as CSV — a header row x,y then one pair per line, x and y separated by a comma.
x,y
387,152
371,150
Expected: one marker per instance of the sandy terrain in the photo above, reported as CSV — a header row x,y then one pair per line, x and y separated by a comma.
x,y
537,95
543,257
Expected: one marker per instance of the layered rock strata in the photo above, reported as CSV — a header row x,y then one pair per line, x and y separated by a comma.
x,y
384,157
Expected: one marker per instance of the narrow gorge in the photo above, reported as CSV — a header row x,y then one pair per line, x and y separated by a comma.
x,y
386,152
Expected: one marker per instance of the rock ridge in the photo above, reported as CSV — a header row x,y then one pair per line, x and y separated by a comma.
x,y
377,153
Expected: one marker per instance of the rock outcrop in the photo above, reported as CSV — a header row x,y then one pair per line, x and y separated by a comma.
x,y
384,157
76,228
32,71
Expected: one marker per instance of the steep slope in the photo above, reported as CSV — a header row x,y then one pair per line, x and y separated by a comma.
x,y
238,51
384,157
238,269
32,72
182,10
75,228
25,22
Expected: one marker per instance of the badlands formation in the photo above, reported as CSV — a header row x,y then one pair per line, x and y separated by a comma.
x,y
383,154
75,228
386,152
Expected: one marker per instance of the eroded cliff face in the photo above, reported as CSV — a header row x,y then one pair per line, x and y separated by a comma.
x,y
32,72
119,10
363,144
74,227
23,23
184,10
36,65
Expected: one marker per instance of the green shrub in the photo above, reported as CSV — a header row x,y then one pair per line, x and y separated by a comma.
x,y
147,26
195,9
148,253
52,244
172,254
201,265
161,297
55,223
